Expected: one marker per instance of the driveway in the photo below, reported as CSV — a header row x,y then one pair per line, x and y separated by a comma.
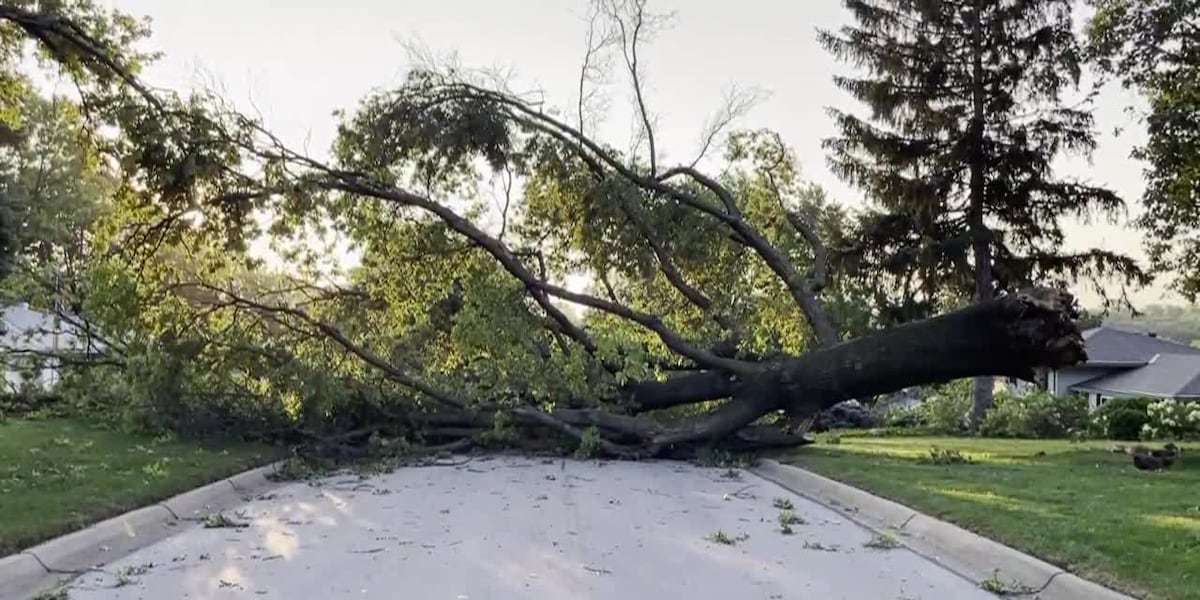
x,y
509,527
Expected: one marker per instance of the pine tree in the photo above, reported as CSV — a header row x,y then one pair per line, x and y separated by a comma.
x,y
968,110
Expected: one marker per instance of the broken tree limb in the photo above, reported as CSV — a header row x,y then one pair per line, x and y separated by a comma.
x,y
1010,336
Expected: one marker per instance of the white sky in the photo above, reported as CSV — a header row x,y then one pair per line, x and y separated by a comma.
x,y
298,60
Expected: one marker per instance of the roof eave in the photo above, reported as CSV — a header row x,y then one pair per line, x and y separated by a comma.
x,y
1101,363
1096,390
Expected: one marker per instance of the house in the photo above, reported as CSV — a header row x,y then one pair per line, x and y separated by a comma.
x,y
32,344
1124,364
904,399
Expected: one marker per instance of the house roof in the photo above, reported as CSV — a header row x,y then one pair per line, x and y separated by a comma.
x,y
1164,376
1113,347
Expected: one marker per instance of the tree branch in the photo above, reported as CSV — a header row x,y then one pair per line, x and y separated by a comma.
x,y
53,32
809,304
334,333
527,414
629,49
808,231
668,268
540,289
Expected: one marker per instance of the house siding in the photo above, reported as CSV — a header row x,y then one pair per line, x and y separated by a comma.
x,y
25,329
1062,380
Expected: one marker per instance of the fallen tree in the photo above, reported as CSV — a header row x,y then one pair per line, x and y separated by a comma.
x,y
714,307
1011,336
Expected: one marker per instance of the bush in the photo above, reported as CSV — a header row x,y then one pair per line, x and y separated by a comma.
x,y
1172,419
1035,415
27,402
1059,416
1126,424
850,414
1117,404
1121,419
901,417
944,410
946,413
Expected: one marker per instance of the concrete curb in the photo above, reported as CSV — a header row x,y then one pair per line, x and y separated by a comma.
x,y
202,500
255,480
963,552
23,575
105,540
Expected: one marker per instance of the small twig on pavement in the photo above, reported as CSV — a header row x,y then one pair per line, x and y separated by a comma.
x,y
741,493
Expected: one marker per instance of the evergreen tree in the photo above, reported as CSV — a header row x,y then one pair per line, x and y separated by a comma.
x,y
968,110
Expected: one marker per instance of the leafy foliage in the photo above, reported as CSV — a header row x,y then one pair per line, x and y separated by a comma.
x,y
946,411
1154,46
473,209
1122,418
1035,415
1172,419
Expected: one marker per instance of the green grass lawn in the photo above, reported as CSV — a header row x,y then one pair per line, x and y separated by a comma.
x,y
57,476
1078,505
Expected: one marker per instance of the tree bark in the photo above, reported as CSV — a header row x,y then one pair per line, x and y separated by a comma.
x,y
981,243
1014,335
1011,336
679,390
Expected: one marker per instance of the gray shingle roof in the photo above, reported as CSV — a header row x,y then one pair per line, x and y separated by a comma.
x,y
1165,376
1108,346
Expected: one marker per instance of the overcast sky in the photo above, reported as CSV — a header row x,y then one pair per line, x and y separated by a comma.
x,y
298,60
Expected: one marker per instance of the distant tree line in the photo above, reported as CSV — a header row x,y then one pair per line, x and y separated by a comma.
x,y
1177,322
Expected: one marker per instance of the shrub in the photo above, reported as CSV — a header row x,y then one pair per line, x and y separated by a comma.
x,y
26,402
1060,416
1126,424
1006,418
944,409
850,414
902,417
1036,414
1098,425
1121,419
946,413
1117,404
1172,419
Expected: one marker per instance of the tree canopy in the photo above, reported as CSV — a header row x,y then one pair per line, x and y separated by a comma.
x,y
1154,46
713,301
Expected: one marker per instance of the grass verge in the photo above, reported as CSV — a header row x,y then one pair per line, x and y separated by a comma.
x,y
57,476
1077,505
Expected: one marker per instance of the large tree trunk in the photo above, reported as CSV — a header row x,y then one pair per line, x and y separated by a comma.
x,y
1010,336
981,242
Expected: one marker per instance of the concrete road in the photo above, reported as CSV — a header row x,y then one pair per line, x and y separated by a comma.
x,y
511,527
